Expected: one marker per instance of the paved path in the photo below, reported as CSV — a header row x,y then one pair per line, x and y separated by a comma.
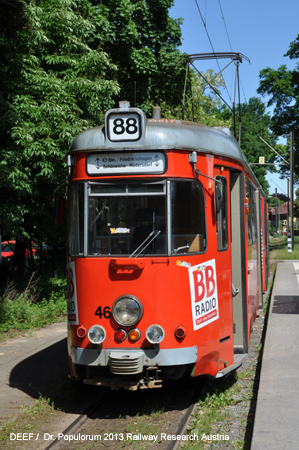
x,y
276,420
30,364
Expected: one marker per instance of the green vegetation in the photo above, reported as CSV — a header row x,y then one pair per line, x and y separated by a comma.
x,y
212,415
64,63
42,302
29,421
256,122
279,248
281,87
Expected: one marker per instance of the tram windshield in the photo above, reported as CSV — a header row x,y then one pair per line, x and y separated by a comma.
x,y
131,219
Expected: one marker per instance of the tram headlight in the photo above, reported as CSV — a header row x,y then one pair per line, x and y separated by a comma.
x,y
127,310
96,334
155,334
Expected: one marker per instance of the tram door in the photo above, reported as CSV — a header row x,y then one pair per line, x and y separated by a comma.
x,y
238,255
223,258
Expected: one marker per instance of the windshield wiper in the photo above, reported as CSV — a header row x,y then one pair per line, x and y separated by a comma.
x,y
155,233
99,214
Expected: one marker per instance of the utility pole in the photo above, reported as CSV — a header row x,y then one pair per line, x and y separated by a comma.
x,y
288,195
292,186
276,209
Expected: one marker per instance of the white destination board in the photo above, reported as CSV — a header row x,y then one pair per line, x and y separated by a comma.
x,y
125,163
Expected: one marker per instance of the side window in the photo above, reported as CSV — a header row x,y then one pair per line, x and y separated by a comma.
x,y
76,219
188,222
251,214
221,216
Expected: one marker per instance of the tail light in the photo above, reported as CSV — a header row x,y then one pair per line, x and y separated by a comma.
x,y
120,334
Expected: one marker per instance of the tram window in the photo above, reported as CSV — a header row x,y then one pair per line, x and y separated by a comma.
x,y
119,224
251,215
76,219
221,217
188,227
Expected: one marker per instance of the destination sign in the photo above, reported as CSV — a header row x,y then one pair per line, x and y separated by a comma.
x,y
117,163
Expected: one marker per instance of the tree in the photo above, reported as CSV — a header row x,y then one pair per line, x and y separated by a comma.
x,y
282,85
255,123
53,86
142,40
202,104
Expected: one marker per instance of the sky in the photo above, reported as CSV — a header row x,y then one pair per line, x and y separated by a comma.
x,y
260,29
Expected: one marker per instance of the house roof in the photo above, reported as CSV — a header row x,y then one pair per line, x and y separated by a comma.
x,y
282,209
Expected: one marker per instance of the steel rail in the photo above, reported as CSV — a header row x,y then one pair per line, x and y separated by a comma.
x,y
77,423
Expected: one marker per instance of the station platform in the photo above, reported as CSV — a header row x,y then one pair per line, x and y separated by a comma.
x,y
276,418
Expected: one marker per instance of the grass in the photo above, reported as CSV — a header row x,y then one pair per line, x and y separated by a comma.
x,y
42,301
28,421
211,415
147,425
279,248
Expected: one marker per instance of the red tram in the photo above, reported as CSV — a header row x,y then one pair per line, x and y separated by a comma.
x,y
167,260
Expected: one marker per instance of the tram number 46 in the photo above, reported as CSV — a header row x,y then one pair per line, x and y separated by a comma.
x,y
105,312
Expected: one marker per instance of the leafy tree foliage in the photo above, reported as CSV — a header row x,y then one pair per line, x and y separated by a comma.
x,y
11,17
63,63
255,123
53,86
282,85
142,40
202,104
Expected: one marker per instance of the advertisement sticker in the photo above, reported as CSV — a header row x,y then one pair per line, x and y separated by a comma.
x,y
204,294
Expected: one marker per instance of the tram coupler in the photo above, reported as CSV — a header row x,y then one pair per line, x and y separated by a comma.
x,y
151,381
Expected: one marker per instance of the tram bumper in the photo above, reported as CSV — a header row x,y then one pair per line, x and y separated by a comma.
x,y
151,380
146,357
125,363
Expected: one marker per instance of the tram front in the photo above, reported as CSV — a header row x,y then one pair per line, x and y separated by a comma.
x,y
136,242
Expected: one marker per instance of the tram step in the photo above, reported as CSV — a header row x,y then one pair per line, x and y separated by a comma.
x,y
238,359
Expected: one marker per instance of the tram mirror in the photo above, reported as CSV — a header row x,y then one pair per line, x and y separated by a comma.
x,y
58,210
218,198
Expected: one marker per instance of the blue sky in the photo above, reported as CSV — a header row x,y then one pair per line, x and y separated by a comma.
x,y
261,30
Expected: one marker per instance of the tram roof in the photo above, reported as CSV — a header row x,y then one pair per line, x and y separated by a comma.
x,y
166,134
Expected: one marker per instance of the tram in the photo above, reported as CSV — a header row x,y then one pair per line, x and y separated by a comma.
x,y
166,251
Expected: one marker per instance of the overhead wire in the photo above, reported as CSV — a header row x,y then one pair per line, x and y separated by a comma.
x,y
205,26
230,43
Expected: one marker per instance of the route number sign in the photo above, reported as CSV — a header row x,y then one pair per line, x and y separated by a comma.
x,y
124,127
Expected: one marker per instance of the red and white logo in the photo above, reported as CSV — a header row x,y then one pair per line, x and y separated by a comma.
x,y
204,295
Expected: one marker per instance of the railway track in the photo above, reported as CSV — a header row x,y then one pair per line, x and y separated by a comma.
x,y
144,417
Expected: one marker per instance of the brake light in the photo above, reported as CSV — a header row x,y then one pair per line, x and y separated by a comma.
x,y
120,334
